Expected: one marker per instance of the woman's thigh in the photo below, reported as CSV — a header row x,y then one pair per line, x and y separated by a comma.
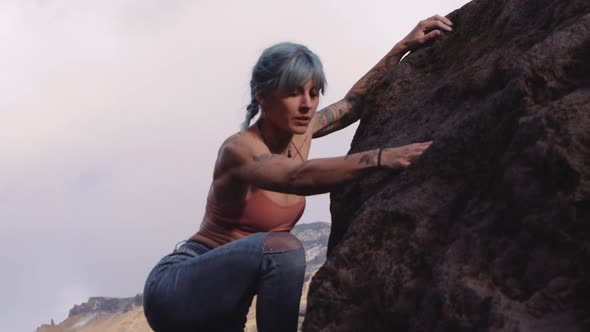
x,y
214,287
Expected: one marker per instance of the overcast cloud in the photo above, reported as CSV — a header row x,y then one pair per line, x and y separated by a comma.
x,y
111,114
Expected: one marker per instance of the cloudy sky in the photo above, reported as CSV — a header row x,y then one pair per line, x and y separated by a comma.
x,y
111,114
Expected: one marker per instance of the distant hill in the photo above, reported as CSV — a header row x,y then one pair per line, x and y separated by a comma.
x,y
107,314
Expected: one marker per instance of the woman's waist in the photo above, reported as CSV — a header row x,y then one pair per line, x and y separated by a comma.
x,y
216,233
258,214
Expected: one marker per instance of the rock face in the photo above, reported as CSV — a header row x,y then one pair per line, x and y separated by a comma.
x,y
490,229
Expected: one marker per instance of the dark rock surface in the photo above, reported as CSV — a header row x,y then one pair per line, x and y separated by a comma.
x,y
490,229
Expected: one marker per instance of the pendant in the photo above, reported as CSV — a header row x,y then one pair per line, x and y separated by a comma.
x,y
289,153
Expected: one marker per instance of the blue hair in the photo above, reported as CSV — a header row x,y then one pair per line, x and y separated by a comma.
x,y
283,67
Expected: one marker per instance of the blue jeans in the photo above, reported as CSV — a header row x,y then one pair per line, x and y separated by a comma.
x,y
197,288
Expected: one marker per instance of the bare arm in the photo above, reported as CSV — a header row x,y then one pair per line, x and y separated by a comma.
x,y
280,174
348,110
339,115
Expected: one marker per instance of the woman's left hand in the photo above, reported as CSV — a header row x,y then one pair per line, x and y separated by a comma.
x,y
425,31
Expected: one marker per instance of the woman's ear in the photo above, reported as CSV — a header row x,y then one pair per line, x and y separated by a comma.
x,y
259,98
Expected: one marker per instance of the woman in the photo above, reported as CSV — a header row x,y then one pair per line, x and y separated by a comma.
x,y
244,246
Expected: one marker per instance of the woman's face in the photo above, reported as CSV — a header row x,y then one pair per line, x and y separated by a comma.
x,y
292,111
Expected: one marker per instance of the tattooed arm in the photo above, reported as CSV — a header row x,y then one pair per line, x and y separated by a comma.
x,y
281,174
348,110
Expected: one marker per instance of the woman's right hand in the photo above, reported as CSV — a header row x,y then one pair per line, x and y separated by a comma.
x,y
399,158
426,30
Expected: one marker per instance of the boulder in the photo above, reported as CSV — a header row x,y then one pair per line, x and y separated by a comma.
x,y
489,230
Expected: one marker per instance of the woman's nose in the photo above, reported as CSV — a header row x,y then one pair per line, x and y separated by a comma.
x,y
305,100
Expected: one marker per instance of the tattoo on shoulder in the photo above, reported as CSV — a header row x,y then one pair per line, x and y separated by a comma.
x,y
262,157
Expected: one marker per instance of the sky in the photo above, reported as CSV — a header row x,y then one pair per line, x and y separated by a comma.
x,y
111,115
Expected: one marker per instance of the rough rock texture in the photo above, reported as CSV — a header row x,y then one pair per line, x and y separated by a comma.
x,y
490,229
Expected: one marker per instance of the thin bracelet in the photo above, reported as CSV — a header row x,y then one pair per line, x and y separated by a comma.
x,y
379,157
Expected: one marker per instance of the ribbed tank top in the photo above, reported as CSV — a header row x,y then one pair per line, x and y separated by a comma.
x,y
223,224
259,213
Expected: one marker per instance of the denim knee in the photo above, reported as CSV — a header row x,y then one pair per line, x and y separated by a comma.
x,y
281,241
285,251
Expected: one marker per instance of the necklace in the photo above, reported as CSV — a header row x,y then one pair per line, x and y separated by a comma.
x,y
266,142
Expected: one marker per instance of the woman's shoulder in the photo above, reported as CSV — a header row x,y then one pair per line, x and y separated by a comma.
x,y
239,146
241,140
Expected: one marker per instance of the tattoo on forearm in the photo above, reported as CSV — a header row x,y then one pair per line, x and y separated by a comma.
x,y
330,115
357,103
365,159
376,74
373,79
336,117
347,111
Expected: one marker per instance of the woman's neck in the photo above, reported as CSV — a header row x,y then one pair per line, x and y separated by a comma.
x,y
277,140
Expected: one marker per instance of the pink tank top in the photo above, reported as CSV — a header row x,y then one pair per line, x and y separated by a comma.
x,y
258,214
